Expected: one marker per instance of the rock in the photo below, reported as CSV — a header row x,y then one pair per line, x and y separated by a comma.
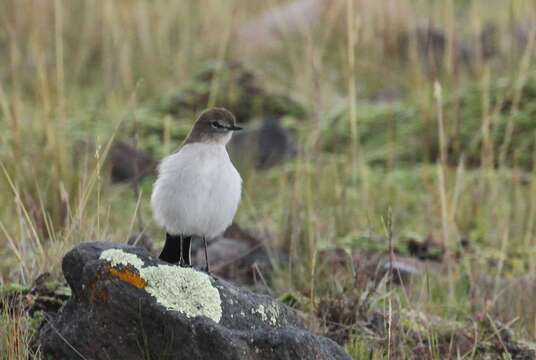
x,y
128,163
432,45
339,315
142,240
263,147
238,255
515,39
128,305
366,265
265,31
388,95
402,268
521,33
429,249
222,252
489,40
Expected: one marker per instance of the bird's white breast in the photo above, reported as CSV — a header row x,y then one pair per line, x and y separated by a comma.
x,y
197,191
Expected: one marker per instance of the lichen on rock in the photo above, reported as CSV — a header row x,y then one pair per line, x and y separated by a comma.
x,y
119,257
273,312
178,289
268,313
129,277
260,311
183,289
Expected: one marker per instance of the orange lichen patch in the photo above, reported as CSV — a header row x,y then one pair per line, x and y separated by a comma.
x,y
129,277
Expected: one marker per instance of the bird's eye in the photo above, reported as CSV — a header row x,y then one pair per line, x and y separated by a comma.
x,y
217,125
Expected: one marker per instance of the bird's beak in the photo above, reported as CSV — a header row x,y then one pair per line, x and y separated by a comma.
x,y
235,128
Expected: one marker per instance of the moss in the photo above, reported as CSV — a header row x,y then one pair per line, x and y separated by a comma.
x,y
36,321
406,132
13,289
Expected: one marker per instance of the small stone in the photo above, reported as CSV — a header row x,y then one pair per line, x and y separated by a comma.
x,y
402,269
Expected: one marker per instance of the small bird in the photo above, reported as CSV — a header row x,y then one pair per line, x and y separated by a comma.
x,y
198,189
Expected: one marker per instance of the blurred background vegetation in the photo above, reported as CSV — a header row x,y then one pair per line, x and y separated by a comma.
x,y
409,132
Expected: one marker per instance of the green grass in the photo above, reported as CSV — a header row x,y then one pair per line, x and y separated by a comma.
x,y
72,82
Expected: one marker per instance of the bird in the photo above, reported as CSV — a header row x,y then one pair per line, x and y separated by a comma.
x,y
198,189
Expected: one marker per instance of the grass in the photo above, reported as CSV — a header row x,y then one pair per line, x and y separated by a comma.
x,y
452,159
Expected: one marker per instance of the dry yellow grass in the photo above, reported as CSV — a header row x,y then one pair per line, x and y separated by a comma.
x,y
76,73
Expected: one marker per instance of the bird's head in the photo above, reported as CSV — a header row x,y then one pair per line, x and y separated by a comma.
x,y
214,125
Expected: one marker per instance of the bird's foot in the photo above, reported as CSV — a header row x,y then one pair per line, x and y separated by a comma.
x,y
184,264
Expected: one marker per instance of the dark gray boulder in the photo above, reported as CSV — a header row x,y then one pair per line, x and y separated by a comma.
x,y
127,304
240,255
263,146
128,163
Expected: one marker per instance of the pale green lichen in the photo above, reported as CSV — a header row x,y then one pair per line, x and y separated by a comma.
x,y
273,312
178,289
267,313
119,257
260,311
183,289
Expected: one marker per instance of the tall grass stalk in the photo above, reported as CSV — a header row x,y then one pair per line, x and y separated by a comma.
x,y
67,75
351,32
520,82
443,163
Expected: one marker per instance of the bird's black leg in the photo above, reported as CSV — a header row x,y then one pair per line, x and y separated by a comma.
x,y
171,251
207,268
181,257
186,241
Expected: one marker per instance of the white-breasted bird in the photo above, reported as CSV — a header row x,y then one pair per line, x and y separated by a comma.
x,y
198,189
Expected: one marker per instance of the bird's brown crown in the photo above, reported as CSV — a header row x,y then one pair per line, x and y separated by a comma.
x,y
213,126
